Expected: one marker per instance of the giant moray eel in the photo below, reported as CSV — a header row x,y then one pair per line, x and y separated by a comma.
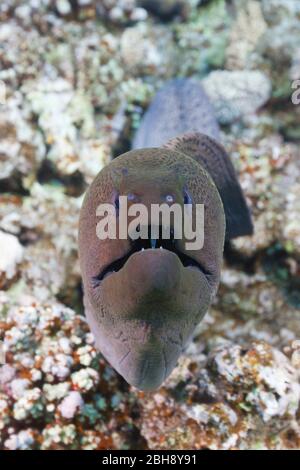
x,y
144,300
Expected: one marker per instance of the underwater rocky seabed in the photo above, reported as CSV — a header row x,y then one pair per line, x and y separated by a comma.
x,y
78,77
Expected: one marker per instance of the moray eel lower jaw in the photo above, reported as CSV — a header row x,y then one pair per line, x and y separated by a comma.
x,y
150,299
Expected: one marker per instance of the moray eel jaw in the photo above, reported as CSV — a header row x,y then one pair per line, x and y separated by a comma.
x,y
154,303
140,245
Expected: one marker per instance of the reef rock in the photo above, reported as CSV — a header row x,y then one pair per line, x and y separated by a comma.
x,y
10,256
21,146
235,94
236,402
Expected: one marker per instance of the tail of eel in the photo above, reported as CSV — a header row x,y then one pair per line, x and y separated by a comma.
x,y
181,117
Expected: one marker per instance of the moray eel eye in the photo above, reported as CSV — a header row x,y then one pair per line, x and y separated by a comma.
x,y
131,197
169,198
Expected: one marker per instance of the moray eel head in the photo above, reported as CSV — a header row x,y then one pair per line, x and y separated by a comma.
x,y
143,298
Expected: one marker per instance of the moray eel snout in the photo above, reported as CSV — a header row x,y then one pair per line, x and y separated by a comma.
x,y
144,297
150,300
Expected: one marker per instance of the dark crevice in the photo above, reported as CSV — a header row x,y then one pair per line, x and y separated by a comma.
x,y
74,184
275,262
123,143
13,185
72,297
238,260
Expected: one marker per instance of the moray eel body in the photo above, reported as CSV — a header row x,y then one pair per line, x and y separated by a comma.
x,y
143,304
180,106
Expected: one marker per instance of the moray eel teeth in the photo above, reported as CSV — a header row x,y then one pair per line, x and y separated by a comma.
x,y
153,243
139,246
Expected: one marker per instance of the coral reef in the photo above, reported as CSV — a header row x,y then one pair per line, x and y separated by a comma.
x,y
224,400
10,257
78,75
235,94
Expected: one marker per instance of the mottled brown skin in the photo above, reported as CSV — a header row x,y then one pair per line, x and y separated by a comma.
x,y
213,157
143,315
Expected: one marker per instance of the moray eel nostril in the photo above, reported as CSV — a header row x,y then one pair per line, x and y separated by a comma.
x,y
144,296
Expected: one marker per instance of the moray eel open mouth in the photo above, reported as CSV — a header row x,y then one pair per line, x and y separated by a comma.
x,y
142,244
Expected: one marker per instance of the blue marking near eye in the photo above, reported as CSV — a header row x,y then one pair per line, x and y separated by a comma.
x,y
131,197
187,198
117,203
